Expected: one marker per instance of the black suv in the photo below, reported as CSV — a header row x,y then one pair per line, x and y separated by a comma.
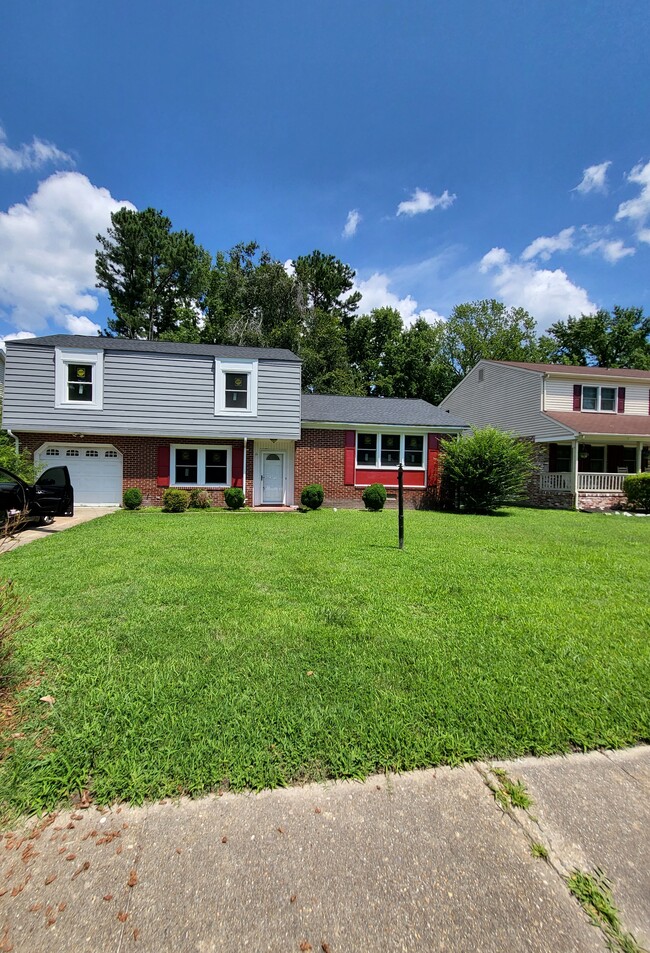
x,y
52,495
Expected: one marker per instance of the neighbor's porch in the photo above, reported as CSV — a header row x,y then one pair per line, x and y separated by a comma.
x,y
597,481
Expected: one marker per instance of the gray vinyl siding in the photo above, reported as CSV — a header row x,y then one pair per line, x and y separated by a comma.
x,y
150,394
509,398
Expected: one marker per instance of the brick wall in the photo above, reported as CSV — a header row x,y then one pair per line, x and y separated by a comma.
x,y
140,459
320,457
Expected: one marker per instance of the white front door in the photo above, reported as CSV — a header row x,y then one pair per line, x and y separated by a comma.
x,y
273,477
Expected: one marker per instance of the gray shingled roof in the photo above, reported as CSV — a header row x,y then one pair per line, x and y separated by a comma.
x,y
162,347
326,408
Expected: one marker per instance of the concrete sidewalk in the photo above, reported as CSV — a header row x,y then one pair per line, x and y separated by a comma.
x,y
422,861
82,514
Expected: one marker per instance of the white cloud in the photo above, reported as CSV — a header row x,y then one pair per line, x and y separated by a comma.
x,y
80,325
644,235
289,267
637,210
422,201
594,179
18,336
30,156
544,246
351,224
548,295
612,251
47,251
375,293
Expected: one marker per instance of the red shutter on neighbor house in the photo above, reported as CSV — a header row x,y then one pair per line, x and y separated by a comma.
x,y
350,447
238,466
432,459
577,396
621,400
163,466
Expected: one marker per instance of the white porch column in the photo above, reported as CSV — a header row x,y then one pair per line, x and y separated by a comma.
x,y
575,474
639,457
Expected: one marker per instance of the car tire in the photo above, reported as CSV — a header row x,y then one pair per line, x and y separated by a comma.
x,y
45,520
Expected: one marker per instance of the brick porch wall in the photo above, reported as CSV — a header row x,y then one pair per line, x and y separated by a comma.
x,y
320,458
140,459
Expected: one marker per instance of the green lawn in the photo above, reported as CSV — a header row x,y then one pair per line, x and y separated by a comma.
x,y
192,651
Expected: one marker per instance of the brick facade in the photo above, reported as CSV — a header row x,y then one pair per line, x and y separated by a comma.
x,y
320,458
140,457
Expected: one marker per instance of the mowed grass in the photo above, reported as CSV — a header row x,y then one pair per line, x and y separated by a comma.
x,y
190,652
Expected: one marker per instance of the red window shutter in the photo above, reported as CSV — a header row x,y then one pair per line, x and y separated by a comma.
x,y
432,459
621,400
350,448
238,466
577,396
163,466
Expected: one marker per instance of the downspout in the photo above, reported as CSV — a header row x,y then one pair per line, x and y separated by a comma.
x,y
244,473
17,441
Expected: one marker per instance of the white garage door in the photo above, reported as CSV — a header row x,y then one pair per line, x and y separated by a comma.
x,y
95,470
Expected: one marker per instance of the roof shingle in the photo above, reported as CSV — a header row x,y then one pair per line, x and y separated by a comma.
x,y
400,412
161,347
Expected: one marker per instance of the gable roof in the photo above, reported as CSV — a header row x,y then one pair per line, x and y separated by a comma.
x,y
160,347
578,370
394,411
624,425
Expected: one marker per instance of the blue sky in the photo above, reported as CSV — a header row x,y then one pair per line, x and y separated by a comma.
x,y
475,149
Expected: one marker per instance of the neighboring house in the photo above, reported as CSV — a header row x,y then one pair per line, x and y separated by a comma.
x,y
596,417
2,373
121,413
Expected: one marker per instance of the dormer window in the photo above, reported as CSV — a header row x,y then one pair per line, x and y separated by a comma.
x,y
235,387
601,399
79,378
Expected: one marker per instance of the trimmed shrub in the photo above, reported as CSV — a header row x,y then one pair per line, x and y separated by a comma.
x,y
234,497
485,470
637,490
312,496
374,496
203,500
132,498
194,495
175,501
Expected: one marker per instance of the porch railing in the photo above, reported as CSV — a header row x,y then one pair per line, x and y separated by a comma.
x,y
601,482
587,482
555,481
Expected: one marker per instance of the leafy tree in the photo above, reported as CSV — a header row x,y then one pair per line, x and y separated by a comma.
x,y
488,330
155,277
373,344
617,339
420,367
486,470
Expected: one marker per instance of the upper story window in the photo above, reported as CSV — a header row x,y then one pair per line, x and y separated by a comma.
x,y
601,399
236,387
388,450
79,378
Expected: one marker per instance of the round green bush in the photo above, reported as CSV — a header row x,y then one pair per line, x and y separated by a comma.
x,y
203,500
132,498
175,501
637,490
374,496
312,496
234,497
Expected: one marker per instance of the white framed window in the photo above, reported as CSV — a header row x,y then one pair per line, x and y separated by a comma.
x,y
385,451
599,399
235,387
79,378
200,466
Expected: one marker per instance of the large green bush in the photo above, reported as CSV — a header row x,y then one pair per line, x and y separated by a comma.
x,y
485,470
374,496
234,497
175,501
637,490
132,498
312,496
22,464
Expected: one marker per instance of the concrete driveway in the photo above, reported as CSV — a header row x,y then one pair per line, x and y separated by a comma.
x,y
82,514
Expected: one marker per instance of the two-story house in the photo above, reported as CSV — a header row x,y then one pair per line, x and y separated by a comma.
x,y
591,425
121,413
